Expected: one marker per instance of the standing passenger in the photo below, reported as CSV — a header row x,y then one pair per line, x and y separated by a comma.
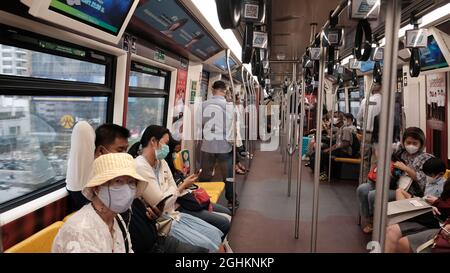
x,y
217,135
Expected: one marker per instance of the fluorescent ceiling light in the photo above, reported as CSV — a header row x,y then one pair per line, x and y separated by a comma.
x,y
427,20
209,11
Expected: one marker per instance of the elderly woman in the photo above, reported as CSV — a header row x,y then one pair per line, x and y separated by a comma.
x,y
111,190
409,159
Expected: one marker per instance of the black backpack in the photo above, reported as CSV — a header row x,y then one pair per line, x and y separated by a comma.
x,y
356,146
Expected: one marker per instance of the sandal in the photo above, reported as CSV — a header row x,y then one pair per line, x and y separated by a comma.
x,y
367,229
242,168
239,171
323,177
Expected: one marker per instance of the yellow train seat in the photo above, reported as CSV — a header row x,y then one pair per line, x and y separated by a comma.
x,y
40,242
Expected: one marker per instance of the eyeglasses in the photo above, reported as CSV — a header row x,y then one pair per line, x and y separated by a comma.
x,y
119,181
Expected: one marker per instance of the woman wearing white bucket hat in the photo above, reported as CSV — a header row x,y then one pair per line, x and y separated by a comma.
x,y
111,190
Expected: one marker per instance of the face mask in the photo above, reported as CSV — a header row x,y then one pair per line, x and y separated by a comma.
x,y
412,149
335,121
162,152
117,198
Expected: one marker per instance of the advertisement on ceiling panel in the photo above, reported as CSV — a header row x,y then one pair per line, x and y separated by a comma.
x,y
171,20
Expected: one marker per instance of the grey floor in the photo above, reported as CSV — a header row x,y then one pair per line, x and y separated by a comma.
x,y
265,220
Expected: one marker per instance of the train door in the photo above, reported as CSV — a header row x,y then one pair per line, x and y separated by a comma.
x,y
436,125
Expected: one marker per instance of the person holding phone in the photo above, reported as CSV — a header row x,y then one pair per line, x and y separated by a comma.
x,y
149,154
112,138
220,215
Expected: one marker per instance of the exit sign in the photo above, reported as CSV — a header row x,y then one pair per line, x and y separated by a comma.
x,y
160,55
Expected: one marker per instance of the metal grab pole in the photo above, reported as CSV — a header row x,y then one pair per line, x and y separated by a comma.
x,y
300,162
252,143
393,15
333,99
319,107
234,131
293,137
246,120
290,146
362,169
286,124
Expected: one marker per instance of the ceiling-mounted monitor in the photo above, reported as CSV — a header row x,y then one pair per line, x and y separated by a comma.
x,y
105,20
435,56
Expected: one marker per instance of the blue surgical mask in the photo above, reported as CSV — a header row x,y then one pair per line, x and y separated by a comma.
x,y
117,198
162,152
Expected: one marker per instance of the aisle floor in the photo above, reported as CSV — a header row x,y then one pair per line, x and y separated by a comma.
x,y
266,217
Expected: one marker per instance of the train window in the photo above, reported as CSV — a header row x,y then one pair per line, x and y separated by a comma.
x,y
35,139
138,79
46,87
30,63
143,112
354,107
147,99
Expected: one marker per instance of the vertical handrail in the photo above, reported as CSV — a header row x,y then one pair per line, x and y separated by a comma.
x,y
246,109
333,101
300,163
362,169
234,131
315,212
392,25
293,113
291,145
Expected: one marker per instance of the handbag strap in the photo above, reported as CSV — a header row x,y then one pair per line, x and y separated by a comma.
x,y
425,245
125,233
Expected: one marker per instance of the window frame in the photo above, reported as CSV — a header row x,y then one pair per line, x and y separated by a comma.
x,y
142,92
11,85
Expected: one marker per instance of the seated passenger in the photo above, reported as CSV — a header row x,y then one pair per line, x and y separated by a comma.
x,y
408,159
407,236
79,165
149,155
434,169
219,221
141,222
341,148
94,228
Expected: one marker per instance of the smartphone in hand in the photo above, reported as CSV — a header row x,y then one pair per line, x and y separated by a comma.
x,y
162,203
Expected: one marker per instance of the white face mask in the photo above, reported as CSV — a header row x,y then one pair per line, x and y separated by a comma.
x,y
412,149
335,121
117,198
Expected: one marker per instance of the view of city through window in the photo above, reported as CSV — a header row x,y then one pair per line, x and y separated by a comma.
x,y
35,130
143,112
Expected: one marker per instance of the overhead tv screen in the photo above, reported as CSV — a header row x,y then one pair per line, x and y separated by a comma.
x,y
431,57
222,63
106,15
174,22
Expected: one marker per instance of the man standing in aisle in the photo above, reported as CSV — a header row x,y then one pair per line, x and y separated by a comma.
x,y
372,124
217,125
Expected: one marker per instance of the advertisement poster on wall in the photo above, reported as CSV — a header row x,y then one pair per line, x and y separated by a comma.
x,y
436,98
193,91
178,110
